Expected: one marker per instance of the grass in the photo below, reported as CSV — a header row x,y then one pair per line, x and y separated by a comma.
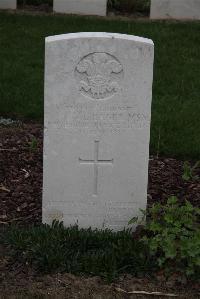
x,y
168,242
175,129
79,251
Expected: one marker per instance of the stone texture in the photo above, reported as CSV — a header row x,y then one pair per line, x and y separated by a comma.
x,y
175,9
97,124
85,7
8,4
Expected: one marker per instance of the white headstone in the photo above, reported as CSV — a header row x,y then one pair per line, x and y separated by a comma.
x,y
8,4
175,9
98,90
85,7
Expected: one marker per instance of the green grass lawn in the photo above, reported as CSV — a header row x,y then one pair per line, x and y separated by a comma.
x,y
175,127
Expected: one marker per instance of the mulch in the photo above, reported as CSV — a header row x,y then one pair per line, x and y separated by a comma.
x,y
21,149
21,160
21,173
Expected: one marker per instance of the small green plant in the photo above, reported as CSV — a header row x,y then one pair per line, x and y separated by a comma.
x,y
189,171
33,144
173,237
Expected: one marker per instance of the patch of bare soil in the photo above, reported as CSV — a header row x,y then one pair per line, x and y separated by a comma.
x,y
21,282
21,200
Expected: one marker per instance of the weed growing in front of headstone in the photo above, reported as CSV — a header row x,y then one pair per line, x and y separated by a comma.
x,y
173,237
91,252
33,144
189,171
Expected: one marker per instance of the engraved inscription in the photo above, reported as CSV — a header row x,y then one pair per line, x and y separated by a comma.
x,y
96,162
99,75
87,117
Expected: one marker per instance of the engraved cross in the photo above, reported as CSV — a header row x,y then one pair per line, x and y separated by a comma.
x,y
96,162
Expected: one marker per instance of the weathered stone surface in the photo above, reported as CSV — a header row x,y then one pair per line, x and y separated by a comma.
x,y
85,7
97,120
8,4
175,9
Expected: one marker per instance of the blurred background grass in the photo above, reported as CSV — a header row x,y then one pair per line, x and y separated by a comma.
x,y
175,129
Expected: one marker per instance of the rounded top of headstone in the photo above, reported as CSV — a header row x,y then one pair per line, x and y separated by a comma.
x,y
109,35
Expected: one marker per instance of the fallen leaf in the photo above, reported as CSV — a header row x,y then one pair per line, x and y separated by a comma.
x,y
3,188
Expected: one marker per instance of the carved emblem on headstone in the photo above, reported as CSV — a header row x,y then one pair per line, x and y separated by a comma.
x,y
99,75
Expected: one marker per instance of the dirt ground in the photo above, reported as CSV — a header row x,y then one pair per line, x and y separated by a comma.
x,y
73,287
20,202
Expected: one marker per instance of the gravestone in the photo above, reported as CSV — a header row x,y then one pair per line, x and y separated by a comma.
x,y
175,9
97,124
8,4
85,7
